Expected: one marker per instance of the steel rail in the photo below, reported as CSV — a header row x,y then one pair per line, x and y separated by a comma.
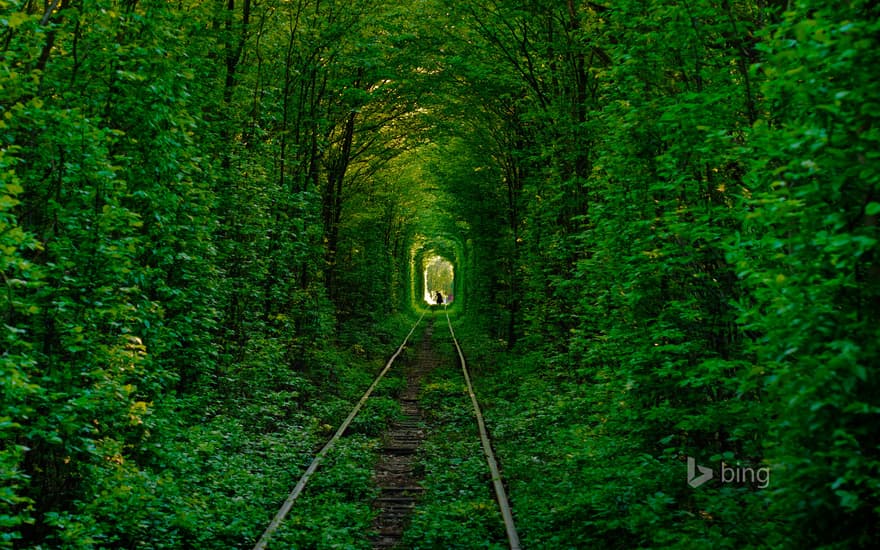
x,y
288,504
500,493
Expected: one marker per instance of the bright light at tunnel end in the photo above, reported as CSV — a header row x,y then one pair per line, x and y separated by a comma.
x,y
438,276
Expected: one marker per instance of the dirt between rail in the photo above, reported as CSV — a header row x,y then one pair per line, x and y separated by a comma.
x,y
396,474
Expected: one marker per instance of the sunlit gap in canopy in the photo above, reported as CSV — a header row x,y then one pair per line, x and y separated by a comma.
x,y
439,276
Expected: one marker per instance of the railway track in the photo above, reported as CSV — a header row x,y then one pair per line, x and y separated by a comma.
x,y
397,474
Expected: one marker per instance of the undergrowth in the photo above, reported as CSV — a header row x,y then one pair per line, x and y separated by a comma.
x,y
214,468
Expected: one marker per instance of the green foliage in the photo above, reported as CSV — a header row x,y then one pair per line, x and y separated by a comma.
x,y
807,253
691,189
667,210
18,357
376,415
157,258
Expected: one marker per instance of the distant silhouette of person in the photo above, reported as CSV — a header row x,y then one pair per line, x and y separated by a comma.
x,y
439,298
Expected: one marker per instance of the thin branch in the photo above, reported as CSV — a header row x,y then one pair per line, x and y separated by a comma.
x,y
45,20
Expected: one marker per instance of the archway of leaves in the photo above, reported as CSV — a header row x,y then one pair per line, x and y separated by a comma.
x,y
668,210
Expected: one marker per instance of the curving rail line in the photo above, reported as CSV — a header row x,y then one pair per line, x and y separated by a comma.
x,y
500,493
